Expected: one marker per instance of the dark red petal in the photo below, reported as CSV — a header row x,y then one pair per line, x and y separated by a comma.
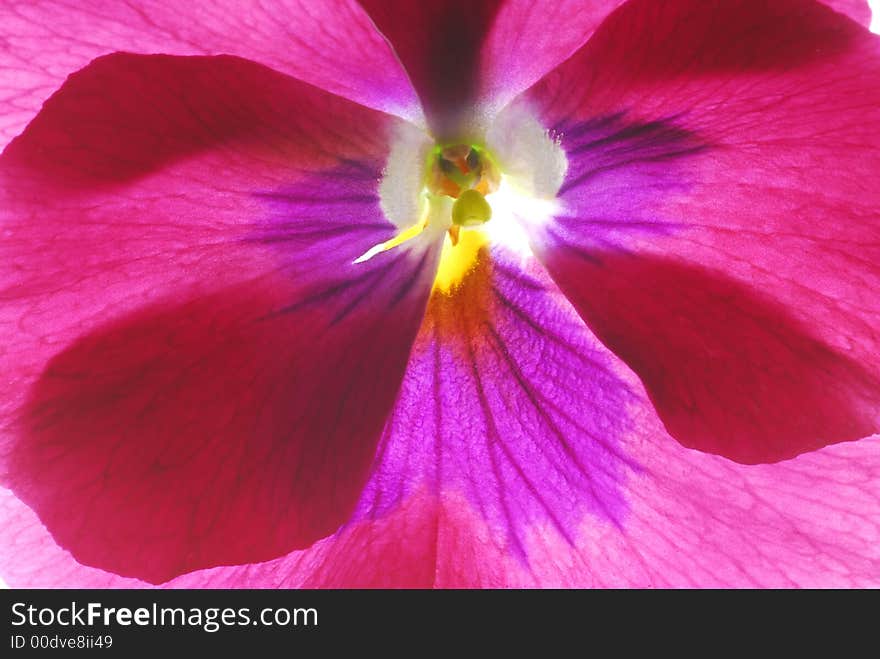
x,y
328,43
196,373
720,226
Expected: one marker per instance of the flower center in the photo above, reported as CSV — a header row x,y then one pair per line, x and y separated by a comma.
x,y
455,183
467,174
450,191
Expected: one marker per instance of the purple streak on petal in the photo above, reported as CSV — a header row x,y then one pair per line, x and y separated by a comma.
x,y
325,221
510,401
616,168
333,204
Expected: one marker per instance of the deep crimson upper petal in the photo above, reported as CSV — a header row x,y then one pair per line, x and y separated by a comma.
x,y
196,372
329,43
720,227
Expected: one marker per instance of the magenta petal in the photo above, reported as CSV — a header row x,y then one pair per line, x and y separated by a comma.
x,y
432,515
529,38
460,54
331,44
439,45
196,372
719,227
858,10
474,487
510,405
695,520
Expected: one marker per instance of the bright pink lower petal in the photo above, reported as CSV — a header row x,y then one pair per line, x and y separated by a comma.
x,y
720,229
331,44
436,513
695,520
521,453
509,402
196,372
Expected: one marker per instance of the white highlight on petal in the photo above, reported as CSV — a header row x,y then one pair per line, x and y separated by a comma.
x,y
512,210
400,191
370,253
875,15
527,155
533,167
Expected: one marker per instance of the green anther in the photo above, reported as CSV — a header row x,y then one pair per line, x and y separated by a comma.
x,y
471,209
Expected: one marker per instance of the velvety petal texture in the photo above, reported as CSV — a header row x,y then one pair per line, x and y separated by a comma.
x,y
329,43
720,228
204,386
196,371
465,493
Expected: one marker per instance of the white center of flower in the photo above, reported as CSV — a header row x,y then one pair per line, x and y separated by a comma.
x,y
496,188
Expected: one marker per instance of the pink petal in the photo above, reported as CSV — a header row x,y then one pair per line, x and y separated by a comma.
x,y
521,453
509,401
432,514
30,557
460,53
858,10
331,44
509,419
196,372
439,45
529,38
720,228
693,520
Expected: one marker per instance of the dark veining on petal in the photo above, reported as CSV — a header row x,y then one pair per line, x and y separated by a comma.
x,y
618,155
509,401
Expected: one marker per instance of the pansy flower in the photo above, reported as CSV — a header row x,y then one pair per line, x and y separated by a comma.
x,y
486,293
